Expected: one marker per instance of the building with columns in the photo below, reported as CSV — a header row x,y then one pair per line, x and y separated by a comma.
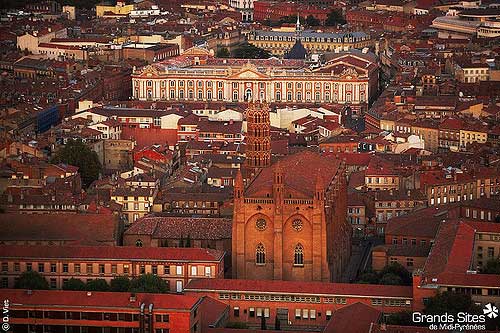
x,y
346,78
292,225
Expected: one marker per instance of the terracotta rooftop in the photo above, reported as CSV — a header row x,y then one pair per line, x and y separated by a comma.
x,y
419,223
84,229
342,319
110,252
303,288
177,227
300,177
95,300
452,250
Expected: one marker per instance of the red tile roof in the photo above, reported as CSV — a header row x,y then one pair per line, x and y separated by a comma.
x,y
110,252
296,287
419,223
104,300
84,229
300,173
342,319
177,227
452,250
486,227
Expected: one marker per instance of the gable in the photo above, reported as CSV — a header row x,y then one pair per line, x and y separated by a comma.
x,y
248,74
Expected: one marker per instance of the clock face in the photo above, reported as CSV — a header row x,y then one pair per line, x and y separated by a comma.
x,y
297,224
260,224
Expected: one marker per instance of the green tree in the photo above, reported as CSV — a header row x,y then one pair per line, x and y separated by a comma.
x,y
492,267
223,53
403,318
248,51
31,280
76,153
120,283
312,21
368,277
450,302
390,279
97,285
74,284
399,270
334,17
149,283
290,19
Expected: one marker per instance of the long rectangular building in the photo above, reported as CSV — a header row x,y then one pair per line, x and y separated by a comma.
x,y
96,312
345,78
297,304
60,263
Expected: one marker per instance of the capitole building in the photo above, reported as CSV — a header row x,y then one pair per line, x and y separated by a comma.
x,y
196,75
290,223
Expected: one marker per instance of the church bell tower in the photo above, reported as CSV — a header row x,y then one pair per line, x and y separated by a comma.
x,y
258,145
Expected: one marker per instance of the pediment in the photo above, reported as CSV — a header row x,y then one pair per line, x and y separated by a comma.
x,y
248,74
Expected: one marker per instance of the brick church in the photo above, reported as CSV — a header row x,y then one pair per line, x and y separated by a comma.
x,y
289,222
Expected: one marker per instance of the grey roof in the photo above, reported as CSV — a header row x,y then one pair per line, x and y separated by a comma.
x,y
298,51
311,33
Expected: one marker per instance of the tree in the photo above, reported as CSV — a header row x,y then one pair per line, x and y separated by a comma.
x,y
403,318
76,153
97,285
368,277
249,51
312,21
149,283
31,280
449,302
392,274
290,19
492,267
74,284
120,283
390,279
334,17
223,53
397,269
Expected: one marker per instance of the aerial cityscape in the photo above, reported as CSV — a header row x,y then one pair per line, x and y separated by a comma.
x,y
232,166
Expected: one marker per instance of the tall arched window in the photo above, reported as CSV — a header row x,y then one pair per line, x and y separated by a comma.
x,y
298,258
260,254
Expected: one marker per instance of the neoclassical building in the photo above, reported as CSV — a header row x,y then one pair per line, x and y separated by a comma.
x,y
290,222
198,76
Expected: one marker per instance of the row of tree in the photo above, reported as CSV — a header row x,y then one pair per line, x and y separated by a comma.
x,y
244,51
392,274
145,283
333,19
445,302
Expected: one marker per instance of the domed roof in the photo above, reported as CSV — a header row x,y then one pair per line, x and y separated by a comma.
x,y
298,51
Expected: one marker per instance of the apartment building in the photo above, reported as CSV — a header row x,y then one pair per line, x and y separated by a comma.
x,y
58,264
95,312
